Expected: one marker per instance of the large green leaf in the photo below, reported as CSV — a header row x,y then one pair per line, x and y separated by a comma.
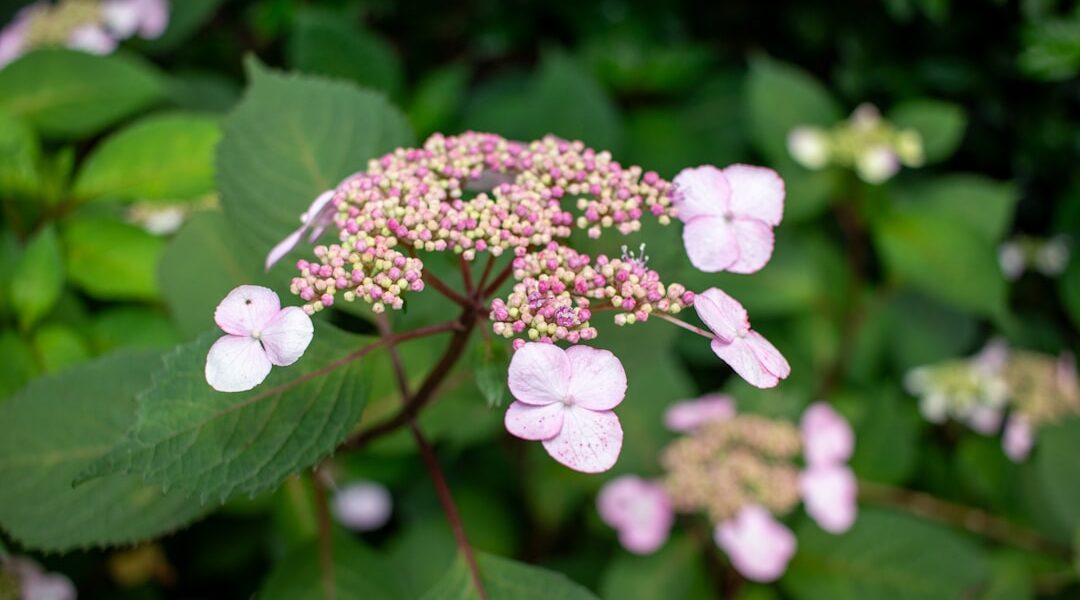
x,y
291,138
505,579
327,44
1059,469
162,157
205,251
131,326
188,436
674,572
110,259
20,152
885,556
887,435
940,124
38,278
983,204
781,97
944,258
18,365
356,572
68,94
54,429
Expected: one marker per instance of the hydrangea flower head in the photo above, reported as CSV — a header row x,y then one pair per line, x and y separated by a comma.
x,y
639,510
259,335
759,546
564,398
745,350
728,216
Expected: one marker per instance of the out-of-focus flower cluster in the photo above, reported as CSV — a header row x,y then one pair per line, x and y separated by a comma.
x,y
1021,389
34,583
742,471
94,26
1048,256
865,142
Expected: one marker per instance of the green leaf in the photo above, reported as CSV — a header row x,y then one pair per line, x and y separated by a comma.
x,y
206,250
20,152
38,278
357,573
923,331
18,365
1059,471
135,327
162,157
505,579
983,204
324,43
887,448
885,556
110,259
59,347
203,91
490,364
290,139
437,98
675,572
184,20
781,97
1069,290
944,258
54,429
188,436
940,124
68,94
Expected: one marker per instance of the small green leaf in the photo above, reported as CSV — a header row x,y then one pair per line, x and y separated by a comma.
x,y
781,97
491,362
944,258
111,260
38,278
888,438
1069,290
203,91
59,347
983,204
674,572
55,428
437,98
188,436
940,124
68,94
18,365
162,157
887,556
324,43
290,139
131,327
20,152
1058,469
357,572
505,579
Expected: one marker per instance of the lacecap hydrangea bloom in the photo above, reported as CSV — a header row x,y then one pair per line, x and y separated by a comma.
x,y
479,194
742,472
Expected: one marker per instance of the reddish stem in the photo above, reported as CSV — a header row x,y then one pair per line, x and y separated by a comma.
x,y
326,557
685,325
466,275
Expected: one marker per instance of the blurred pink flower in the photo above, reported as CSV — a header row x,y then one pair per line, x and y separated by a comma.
x,y
829,492
37,584
565,399
259,334
317,218
639,510
984,419
827,437
690,414
759,546
13,37
363,505
1018,438
125,18
92,39
746,351
729,216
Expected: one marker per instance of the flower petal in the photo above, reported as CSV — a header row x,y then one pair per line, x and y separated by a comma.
x,y
640,510
284,247
247,310
314,217
701,192
597,378
755,241
1017,440
710,244
236,364
532,422
691,414
287,335
154,18
721,313
829,493
739,355
759,546
756,192
589,442
768,355
539,374
827,436
91,39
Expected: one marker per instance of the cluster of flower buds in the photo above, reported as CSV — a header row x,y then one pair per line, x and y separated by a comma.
x,y
1022,389
373,273
742,471
558,289
1049,256
94,26
865,142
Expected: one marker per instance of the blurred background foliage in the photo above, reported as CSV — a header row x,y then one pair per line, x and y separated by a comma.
x,y
112,183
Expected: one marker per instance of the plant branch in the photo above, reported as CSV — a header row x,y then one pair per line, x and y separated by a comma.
x,y
326,541
466,275
440,286
684,325
487,273
972,519
499,280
